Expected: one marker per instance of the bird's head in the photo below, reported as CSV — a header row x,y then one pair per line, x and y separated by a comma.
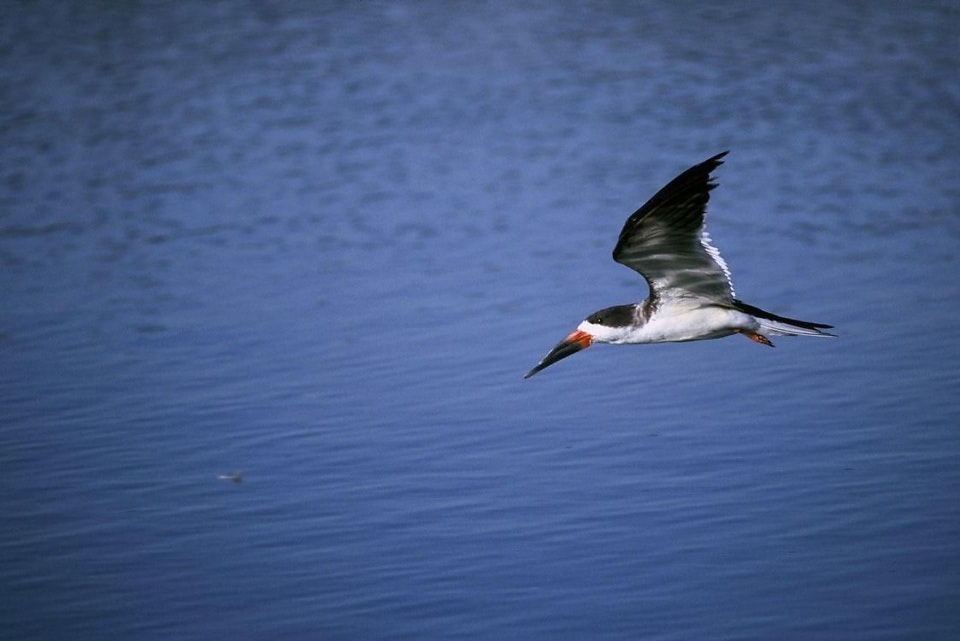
x,y
610,325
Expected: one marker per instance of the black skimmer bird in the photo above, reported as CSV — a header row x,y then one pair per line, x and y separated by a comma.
x,y
691,294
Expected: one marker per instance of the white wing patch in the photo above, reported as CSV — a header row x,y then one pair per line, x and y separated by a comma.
x,y
717,258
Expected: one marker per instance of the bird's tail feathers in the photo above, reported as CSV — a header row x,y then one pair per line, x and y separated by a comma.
x,y
776,328
781,325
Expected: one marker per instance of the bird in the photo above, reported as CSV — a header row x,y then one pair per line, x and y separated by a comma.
x,y
691,292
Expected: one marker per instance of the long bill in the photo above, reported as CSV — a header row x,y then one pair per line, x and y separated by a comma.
x,y
576,341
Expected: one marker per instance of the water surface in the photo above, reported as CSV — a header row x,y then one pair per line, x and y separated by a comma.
x,y
322,245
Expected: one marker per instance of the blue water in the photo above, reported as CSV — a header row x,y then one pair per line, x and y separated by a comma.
x,y
321,244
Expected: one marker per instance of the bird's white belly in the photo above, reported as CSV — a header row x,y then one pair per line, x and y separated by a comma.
x,y
696,324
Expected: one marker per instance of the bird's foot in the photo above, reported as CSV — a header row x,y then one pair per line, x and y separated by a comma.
x,y
755,337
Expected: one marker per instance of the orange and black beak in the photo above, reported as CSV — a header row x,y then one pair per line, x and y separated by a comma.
x,y
572,344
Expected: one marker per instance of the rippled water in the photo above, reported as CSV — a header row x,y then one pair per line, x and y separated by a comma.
x,y
322,245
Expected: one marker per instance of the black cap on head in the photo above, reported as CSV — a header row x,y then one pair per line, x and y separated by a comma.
x,y
616,316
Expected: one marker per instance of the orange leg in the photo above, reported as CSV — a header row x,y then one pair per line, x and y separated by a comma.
x,y
756,338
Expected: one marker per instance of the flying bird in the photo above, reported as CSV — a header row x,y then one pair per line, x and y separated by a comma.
x,y
691,293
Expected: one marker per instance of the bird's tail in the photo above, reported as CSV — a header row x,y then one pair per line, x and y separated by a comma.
x,y
781,325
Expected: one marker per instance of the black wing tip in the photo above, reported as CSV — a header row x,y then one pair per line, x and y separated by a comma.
x,y
704,168
718,159
709,165
685,198
702,171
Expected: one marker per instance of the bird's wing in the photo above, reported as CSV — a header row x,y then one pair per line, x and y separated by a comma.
x,y
665,241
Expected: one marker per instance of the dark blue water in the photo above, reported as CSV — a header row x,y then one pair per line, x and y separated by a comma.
x,y
322,244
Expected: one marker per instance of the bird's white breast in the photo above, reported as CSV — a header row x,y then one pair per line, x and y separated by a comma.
x,y
677,323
